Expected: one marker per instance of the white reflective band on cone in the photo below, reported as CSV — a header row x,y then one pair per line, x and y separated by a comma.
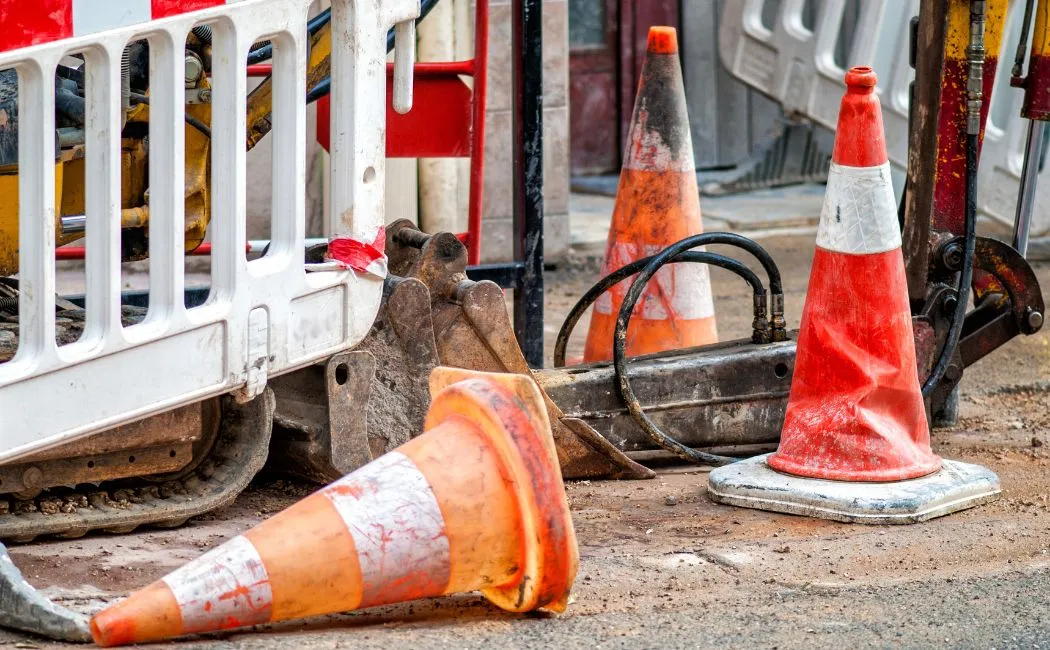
x,y
397,526
228,583
685,286
859,215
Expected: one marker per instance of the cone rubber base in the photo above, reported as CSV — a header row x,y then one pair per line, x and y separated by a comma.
x,y
956,486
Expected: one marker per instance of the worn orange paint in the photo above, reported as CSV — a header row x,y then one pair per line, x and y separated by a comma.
x,y
657,204
488,463
662,40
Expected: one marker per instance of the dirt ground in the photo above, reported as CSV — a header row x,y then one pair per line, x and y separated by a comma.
x,y
663,566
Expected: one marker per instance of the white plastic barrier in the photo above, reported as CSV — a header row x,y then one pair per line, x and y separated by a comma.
x,y
262,318
796,67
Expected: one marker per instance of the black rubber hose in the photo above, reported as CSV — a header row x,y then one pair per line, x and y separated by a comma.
x,y
965,277
1022,42
634,267
623,383
324,86
139,98
776,287
71,105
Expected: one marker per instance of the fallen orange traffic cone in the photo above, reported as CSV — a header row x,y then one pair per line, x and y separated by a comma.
x,y
657,204
475,503
855,415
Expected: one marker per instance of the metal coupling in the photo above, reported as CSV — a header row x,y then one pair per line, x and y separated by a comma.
x,y
760,325
779,324
975,54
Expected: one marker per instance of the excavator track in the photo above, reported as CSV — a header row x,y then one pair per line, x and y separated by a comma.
x,y
121,506
227,458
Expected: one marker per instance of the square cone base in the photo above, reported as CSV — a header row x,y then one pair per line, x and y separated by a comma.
x,y
956,486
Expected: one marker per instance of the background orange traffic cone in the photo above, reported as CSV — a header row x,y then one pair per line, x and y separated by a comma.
x,y
856,410
657,204
475,503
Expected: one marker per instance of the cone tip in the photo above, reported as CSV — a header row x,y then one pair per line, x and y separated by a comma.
x,y
662,40
861,78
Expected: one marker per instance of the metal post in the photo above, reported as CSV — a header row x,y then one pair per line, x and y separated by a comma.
x,y
1026,195
527,44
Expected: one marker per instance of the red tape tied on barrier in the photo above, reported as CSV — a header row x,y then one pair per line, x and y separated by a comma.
x,y
358,256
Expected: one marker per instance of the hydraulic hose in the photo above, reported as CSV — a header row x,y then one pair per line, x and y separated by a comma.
x,y
628,270
623,319
965,277
776,287
974,87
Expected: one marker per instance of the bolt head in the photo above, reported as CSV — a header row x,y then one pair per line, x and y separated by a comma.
x,y
1035,319
33,478
194,68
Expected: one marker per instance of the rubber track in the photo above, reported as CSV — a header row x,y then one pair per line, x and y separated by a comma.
x,y
238,454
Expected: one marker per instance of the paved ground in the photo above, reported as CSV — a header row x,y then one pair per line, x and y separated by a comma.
x,y
695,574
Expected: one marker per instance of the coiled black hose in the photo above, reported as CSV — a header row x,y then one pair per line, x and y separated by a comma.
x,y
623,319
776,287
634,267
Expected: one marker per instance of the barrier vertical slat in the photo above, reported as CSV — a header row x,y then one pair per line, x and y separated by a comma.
x,y
288,228
827,28
228,224
167,128
36,211
102,176
358,89
865,37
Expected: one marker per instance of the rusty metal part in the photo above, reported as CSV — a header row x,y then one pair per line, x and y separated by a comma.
x,y
1015,306
161,444
432,315
473,330
320,425
211,481
727,394
1008,302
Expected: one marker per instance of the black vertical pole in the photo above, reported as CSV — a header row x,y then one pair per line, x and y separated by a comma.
x,y
527,44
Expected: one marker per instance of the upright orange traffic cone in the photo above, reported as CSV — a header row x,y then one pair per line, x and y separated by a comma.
x,y
475,503
855,428
657,204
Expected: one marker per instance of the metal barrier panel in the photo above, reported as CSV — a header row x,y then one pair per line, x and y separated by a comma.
x,y
268,317
796,67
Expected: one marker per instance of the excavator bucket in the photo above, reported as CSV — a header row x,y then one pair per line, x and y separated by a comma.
x,y
359,405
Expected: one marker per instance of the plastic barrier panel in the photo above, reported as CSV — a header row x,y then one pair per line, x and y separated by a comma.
x,y
796,66
261,319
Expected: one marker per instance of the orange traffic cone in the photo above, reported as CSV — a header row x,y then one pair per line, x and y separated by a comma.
x,y
475,503
856,411
657,204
